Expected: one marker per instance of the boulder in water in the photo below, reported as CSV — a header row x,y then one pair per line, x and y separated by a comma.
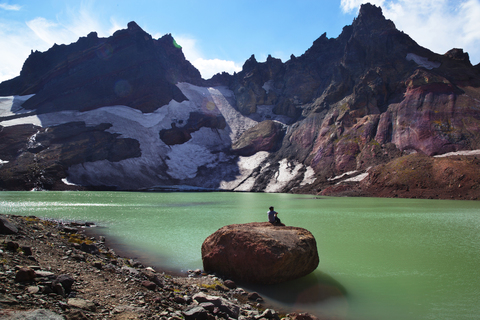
x,y
260,252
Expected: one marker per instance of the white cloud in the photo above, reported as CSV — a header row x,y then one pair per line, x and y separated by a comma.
x,y
207,67
10,7
210,67
471,25
438,25
75,23
17,40
49,32
115,26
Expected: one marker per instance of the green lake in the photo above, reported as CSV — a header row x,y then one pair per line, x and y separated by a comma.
x,y
379,258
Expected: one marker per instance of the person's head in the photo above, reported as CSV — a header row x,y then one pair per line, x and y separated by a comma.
x,y
271,208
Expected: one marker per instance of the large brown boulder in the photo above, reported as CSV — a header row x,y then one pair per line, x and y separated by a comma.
x,y
260,252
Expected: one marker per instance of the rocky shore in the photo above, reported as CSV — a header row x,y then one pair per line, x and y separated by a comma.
x,y
53,270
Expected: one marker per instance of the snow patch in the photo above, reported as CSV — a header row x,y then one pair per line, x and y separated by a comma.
x,y
35,120
252,162
343,175
117,115
236,122
192,156
358,178
422,61
309,177
246,185
459,153
286,172
246,166
65,181
12,105
268,86
182,160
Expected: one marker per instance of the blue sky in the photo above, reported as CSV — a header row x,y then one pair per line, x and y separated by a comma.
x,y
219,35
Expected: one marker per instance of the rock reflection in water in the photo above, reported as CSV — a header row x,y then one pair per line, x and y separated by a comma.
x,y
318,293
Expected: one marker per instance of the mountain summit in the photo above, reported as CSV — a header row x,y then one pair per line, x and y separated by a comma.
x,y
352,115
128,68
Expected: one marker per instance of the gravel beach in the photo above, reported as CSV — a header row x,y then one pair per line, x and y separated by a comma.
x,y
55,270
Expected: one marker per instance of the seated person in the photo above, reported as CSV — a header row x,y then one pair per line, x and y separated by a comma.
x,y
272,217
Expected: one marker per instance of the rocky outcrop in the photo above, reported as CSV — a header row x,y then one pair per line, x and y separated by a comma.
x,y
265,136
254,86
450,176
369,96
196,121
209,303
260,253
417,175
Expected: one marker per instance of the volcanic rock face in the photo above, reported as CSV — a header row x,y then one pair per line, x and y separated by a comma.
x,y
371,86
368,97
265,136
43,157
347,104
260,253
195,122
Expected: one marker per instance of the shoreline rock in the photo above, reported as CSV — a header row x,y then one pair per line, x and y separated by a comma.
x,y
260,253
68,283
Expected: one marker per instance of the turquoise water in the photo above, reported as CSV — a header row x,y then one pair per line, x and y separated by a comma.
x,y
379,258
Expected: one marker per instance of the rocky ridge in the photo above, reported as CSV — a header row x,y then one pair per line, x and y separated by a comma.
x,y
57,271
369,96
128,68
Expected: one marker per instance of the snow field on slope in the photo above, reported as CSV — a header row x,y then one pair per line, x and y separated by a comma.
x,y
12,105
178,161
182,160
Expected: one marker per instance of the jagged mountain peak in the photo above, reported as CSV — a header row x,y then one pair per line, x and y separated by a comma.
x,y
369,20
90,73
372,16
132,25
459,55
249,64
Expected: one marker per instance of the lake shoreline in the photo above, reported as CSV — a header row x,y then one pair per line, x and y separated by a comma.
x,y
105,284
124,250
